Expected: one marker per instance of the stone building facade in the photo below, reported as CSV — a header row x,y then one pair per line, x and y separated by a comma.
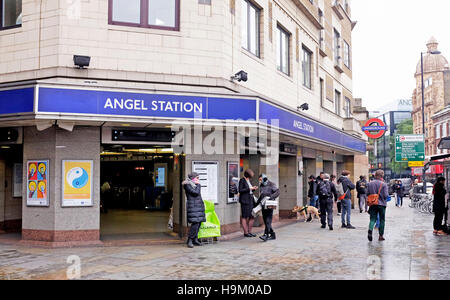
x,y
437,95
154,62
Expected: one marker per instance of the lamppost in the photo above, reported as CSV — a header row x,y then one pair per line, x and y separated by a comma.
x,y
424,187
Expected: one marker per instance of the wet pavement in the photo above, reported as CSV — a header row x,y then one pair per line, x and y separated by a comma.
x,y
301,251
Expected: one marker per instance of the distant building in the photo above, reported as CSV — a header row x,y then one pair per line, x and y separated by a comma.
x,y
392,115
437,96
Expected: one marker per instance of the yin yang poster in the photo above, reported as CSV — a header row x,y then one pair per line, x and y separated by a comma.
x,y
77,183
37,183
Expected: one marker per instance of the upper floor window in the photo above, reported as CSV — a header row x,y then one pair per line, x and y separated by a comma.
x,y
348,108
159,14
306,67
428,82
337,102
347,54
250,27
10,13
283,44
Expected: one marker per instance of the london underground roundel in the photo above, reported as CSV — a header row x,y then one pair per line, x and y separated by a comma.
x,y
374,128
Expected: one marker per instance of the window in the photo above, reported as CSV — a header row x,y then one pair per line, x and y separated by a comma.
x,y
250,27
10,13
444,130
337,47
306,67
337,102
438,131
159,14
321,90
348,108
283,45
428,82
347,54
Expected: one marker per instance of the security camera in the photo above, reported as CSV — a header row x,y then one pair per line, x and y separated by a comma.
x,y
304,106
240,76
81,61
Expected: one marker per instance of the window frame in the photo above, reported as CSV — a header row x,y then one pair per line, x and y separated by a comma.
x,y
280,32
347,59
258,11
1,19
144,14
306,51
348,107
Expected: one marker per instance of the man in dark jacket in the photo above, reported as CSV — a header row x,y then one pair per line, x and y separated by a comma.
x,y
361,188
439,208
326,190
378,187
195,208
348,186
267,189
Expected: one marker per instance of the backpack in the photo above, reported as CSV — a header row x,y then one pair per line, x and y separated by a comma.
x,y
363,187
340,191
324,189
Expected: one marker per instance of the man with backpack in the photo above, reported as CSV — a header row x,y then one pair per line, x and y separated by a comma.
x,y
326,189
377,200
344,190
361,188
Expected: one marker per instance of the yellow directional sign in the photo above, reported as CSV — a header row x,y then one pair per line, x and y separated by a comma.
x,y
416,164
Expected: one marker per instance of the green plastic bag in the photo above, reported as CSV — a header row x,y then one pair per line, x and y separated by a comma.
x,y
210,228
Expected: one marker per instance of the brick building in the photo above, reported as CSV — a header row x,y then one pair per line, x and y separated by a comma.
x,y
154,62
437,94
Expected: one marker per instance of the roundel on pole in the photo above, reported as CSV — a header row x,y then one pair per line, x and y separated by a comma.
x,y
374,128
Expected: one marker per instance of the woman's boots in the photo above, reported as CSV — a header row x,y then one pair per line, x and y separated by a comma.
x,y
193,242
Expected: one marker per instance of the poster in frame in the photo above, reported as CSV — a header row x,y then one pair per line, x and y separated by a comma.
x,y
77,183
38,183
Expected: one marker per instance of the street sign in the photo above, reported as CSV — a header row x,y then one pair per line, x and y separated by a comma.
x,y
374,128
413,164
409,148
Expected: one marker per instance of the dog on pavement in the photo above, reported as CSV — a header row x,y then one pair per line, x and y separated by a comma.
x,y
306,210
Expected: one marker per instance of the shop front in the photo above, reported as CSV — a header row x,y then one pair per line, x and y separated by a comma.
x,y
102,164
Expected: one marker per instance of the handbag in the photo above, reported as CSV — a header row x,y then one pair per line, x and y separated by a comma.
x,y
373,199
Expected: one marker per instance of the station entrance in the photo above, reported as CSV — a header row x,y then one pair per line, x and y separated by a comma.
x,y
137,191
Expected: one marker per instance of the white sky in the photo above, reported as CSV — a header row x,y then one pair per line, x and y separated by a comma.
x,y
387,42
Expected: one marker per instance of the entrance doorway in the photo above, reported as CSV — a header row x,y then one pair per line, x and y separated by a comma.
x,y
137,192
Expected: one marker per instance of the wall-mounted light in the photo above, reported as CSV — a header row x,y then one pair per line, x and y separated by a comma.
x,y
81,61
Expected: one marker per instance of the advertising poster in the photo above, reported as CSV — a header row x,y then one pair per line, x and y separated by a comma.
x,y
233,182
77,189
209,172
37,183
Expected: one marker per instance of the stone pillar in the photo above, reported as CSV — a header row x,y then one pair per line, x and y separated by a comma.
x,y
56,225
288,185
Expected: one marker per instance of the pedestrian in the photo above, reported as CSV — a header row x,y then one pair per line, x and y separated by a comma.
x,y
195,208
377,189
319,179
312,190
398,188
361,188
247,201
267,189
326,190
439,208
336,199
347,187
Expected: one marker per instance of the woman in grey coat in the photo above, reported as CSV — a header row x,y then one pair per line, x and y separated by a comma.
x,y
195,208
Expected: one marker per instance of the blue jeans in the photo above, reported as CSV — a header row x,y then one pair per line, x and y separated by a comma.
x,y
399,200
314,201
346,211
